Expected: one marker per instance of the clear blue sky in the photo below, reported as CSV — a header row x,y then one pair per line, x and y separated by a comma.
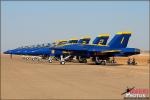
x,y
33,22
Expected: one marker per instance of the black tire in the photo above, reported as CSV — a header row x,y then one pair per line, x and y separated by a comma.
x,y
103,62
97,63
62,62
134,63
83,60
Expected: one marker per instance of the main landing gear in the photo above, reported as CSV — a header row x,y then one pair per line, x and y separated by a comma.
x,y
111,60
131,61
100,61
82,60
63,60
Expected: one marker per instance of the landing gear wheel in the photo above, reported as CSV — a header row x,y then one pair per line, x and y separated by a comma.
x,y
134,63
50,61
33,59
103,62
97,63
27,58
113,62
62,62
128,63
83,61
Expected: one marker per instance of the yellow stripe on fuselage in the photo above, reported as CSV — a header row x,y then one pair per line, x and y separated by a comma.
x,y
111,51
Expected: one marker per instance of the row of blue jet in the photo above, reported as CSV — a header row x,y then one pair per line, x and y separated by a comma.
x,y
99,50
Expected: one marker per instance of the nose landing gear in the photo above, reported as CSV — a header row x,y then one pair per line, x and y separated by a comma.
x,y
50,59
62,60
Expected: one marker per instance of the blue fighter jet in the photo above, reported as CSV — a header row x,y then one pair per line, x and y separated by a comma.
x,y
100,41
100,54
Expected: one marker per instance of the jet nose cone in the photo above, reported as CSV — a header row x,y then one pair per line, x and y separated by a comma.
x,y
7,52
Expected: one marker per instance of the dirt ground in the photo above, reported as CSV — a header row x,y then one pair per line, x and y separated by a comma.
x,y
22,79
